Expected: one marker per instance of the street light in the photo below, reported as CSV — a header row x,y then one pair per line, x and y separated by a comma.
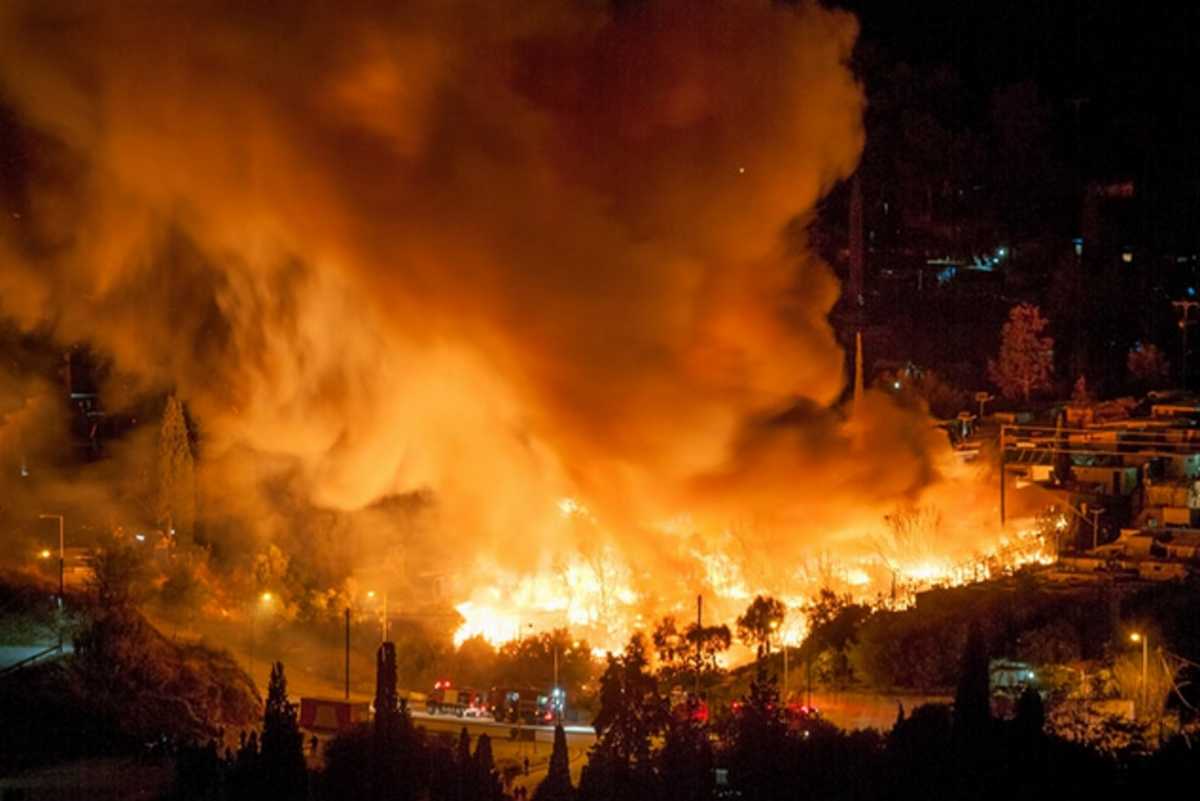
x,y
264,600
61,556
1137,637
383,620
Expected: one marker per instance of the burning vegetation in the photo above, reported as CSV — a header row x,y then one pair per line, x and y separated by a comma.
x,y
500,320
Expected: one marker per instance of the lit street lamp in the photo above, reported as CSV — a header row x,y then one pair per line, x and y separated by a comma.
x,y
62,560
264,600
1145,641
383,619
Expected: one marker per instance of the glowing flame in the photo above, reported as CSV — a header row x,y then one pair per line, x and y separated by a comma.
x,y
724,576
492,624
596,597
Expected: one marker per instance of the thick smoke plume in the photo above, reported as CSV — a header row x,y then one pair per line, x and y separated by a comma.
x,y
490,254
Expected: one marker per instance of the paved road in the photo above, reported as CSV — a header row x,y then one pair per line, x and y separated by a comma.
x,y
512,751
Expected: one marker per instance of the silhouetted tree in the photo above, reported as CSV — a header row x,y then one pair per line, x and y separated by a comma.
x,y
487,780
387,776
1030,718
833,628
919,750
686,759
557,784
680,653
348,768
710,641
176,472
198,771
631,714
464,768
245,778
756,625
758,741
533,657
281,754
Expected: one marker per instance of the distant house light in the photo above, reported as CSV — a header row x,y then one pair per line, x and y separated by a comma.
x,y
1078,242
1127,256
1191,291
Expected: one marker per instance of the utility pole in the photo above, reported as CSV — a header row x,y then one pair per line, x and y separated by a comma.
x,y
556,695
699,628
62,557
982,398
808,669
1002,453
1144,640
1096,527
1145,687
383,623
785,672
1185,319
347,653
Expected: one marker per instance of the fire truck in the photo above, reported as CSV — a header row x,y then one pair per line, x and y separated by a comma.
x,y
446,700
519,705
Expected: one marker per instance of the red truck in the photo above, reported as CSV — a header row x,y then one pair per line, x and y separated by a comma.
x,y
446,700
329,715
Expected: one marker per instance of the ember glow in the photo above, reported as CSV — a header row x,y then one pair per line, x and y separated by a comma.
x,y
464,298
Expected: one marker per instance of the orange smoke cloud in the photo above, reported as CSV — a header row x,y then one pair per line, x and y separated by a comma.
x,y
503,253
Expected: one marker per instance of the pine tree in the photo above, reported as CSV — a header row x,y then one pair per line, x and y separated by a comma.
x,y
557,784
631,714
176,473
281,753
1026,357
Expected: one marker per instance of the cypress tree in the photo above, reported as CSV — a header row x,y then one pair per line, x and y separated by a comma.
x,y
385,746
487,780
281,755
462,755
176,473
557,784
1031,715
464,774
972,699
